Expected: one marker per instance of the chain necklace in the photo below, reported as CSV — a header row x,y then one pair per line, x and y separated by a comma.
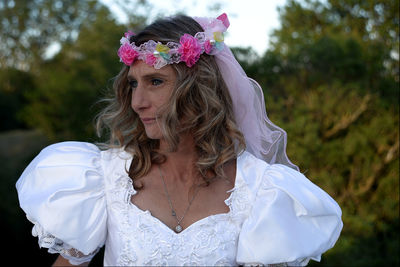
x,y
178,227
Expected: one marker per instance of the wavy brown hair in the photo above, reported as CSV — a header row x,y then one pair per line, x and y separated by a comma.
x,y
200,104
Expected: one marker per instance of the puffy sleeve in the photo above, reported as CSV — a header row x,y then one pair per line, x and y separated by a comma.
x,y
62,193
291,221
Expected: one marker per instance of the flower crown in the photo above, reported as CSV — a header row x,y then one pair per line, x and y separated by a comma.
x,y
187,50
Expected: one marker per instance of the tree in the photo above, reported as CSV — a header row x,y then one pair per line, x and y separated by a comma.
x,y
14,84
368,29
28,28
332,84
72,82
61,98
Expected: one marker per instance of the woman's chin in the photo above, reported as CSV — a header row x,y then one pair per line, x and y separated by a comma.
x,y
153,134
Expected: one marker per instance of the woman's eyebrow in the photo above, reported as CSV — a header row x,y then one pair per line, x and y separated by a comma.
x,y
155,75
149,76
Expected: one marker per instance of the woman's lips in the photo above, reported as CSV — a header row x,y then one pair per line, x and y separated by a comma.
x,y
148,120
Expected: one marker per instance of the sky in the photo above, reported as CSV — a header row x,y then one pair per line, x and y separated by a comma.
x,y
252,21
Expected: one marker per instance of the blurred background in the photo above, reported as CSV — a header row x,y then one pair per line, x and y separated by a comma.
x,y
330,74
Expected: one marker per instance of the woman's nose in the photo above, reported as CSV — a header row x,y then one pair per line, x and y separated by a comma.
x,y
140,99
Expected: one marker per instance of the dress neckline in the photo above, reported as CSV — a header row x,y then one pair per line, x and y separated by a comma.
x,y
198,222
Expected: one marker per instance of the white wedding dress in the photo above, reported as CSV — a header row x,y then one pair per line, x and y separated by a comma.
x,y
78,198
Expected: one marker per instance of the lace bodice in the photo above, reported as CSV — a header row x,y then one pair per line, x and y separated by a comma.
x,y
79,199
209,241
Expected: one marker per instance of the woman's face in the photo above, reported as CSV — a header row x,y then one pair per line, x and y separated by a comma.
x,y
151,89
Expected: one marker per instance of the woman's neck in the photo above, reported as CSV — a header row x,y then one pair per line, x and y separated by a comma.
x,y
180,164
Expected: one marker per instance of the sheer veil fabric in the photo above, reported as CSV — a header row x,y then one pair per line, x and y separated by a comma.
x,y
263,138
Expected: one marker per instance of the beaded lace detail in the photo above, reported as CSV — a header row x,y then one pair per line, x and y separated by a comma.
x,y
148,241
56,245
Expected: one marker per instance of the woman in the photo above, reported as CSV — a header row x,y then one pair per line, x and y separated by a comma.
x,y
194,173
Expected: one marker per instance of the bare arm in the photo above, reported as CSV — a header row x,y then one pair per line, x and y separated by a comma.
x,y
60,261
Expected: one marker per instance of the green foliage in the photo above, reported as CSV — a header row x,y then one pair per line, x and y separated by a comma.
x,y
70,84
28,28
68,87
331,82
349,38
13,86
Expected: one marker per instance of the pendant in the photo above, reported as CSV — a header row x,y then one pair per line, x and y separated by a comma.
x,y
178,228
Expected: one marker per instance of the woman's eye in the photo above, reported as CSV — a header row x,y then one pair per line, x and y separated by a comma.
x,y
156,82
132,84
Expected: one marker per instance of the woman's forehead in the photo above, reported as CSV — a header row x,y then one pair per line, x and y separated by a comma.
x,y
140,68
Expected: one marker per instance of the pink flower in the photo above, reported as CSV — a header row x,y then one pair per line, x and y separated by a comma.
x,y
207,46
127,54
150,59
190,49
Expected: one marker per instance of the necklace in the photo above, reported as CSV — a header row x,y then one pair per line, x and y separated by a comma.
x,y
178,227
